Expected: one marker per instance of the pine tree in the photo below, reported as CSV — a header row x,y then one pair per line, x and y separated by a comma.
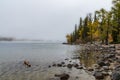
x,y
116,19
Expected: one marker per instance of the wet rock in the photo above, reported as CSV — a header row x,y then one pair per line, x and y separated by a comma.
x,y
69,66
54,65
113,49
98,75
109,55
110,60
101,69
118,60
64,65
95,65
76,57
116,73
113,52
90,69
62,62
107,63
77,77
118,54
66,59
106,68
49,66
101,63
105,73
112,46
97,57
59,65
70,61
27,63
58,75
79,67
76,65
63,76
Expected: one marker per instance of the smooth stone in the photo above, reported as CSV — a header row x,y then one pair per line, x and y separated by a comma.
x,y
54,65
75,65
116,73
79,67
90,69
69,66
62,62
98,75
63,76
106,68
49,66
59,65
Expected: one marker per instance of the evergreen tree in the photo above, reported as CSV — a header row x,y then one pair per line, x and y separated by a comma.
x,y
116,19
101,27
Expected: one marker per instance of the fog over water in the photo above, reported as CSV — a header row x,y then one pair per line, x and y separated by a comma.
x,y
44,19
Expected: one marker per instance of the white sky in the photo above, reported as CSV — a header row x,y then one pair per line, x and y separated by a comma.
x,y
44,19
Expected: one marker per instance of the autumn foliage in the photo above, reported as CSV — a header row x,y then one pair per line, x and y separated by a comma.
x,y
103,26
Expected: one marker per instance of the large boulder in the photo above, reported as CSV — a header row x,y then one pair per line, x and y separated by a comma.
x,y
63,76
59,65
103,63
116,73
69,66
98,75
75,65
109,56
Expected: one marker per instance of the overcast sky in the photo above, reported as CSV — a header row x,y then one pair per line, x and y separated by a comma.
x,y
44,19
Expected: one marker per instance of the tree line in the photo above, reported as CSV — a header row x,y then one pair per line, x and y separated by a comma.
x,y
6,39
103,26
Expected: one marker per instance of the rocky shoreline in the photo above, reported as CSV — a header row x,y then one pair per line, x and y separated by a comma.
x,y
107,66
88,62
107,62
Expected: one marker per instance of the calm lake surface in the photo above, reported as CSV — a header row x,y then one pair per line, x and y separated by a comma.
x,y
39,52
40,55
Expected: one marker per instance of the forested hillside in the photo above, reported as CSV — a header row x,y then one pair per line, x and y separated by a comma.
x,y
103,26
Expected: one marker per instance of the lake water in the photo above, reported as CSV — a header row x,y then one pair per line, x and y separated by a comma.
x,y
39,52
40,55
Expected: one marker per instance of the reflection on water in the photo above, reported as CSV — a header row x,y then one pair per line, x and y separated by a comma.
x,y
88,59
40,57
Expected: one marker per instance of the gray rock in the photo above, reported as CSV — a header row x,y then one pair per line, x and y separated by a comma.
x,y
69,66
66,59
101,63
62,62
54,65
112,46
90,69
98,75
116,73
106,68
76,57
49,66
75,65
105,73
63,76
79,67
59,65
